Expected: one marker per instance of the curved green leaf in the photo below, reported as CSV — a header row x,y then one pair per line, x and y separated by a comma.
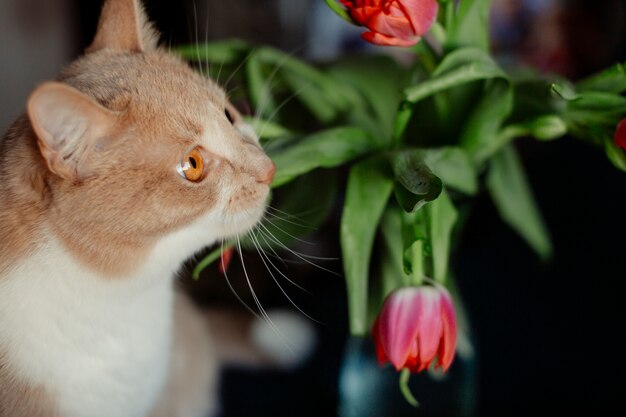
x,y
454,166
469,24
514,200
442,217
612,80
415,184
367,193
325,149
222,52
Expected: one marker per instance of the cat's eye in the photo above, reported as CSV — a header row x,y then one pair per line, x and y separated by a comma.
x,y
192,166
229,116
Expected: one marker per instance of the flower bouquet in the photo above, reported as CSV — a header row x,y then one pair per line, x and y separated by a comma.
x,y
403,145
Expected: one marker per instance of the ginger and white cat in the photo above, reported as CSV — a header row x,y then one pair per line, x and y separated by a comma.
x,y
121,169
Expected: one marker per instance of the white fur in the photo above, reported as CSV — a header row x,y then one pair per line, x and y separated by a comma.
x,y
100,345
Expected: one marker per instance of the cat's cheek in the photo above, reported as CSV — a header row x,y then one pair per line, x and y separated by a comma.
x,y
245,206
248,198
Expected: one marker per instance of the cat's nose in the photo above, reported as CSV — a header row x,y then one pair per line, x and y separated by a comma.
x,y
268,176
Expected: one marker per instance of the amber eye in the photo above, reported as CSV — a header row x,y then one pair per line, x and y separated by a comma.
x,y
192,166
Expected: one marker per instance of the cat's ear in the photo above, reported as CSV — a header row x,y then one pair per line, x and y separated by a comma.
x,y
70,126
124,26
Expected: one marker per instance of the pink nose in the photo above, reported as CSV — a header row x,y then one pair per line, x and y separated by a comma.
x,y
269,175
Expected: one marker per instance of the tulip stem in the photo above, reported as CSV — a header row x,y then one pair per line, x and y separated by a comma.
x,y
405,374
340,11
417,267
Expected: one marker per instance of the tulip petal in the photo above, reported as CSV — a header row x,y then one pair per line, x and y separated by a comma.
x,y
379,39
448,339
398,324
398,27
421,14
430,326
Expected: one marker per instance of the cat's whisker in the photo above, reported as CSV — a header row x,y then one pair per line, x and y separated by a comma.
x,y
265,94
206,38
197,42
259,247
232,289
284,220
267,87
269,233
258,302
219,73
275,112
261,254
237,69
289,234
274,254
299,255
295,216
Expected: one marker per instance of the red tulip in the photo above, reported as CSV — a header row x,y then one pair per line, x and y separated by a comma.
x,y
225,257
416,325
620,134
393,22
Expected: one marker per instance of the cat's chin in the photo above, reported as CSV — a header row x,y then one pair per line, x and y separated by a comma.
x,y
241,223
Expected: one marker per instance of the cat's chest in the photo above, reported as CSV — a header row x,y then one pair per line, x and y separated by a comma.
x,y
100,347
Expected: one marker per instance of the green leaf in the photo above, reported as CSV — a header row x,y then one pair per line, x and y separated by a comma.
x,y
455,86
594,115
548,127
267,129
415,184
513,198
598,101
367,193
325,149
469,26
616,155
612,80
322,95
223,52
489,115
454,167
295,213
472,71
442,216
258,87
564,90
339,10
363,72
393,272
314,99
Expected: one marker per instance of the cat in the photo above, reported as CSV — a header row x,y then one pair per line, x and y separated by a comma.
x,y
121,169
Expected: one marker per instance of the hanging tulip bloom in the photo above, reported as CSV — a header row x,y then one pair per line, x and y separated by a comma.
x,y
415,326
620,134
393,22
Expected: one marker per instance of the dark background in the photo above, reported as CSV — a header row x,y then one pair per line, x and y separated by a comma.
x,y
549,337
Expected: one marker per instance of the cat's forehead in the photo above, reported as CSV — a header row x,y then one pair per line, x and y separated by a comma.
x,y
158,85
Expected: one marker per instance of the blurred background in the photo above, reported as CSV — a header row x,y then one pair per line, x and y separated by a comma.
x,y
542,339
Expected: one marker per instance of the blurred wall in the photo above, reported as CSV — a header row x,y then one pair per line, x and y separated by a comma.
x,y
36,39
